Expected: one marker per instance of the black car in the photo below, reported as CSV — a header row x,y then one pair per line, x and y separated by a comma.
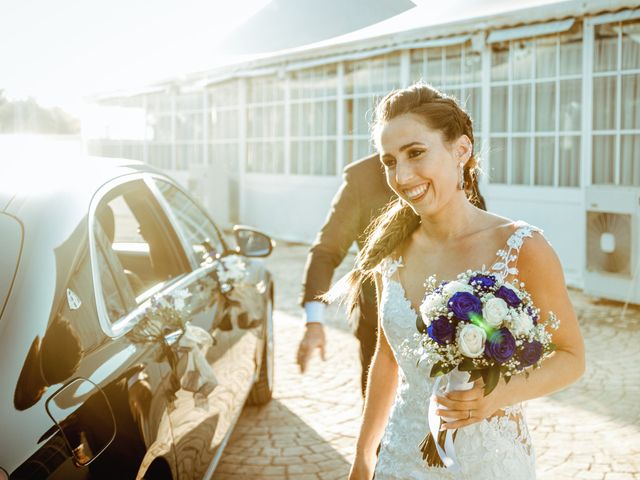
x,y
131,333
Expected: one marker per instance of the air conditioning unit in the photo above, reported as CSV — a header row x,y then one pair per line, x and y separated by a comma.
x,y
613,243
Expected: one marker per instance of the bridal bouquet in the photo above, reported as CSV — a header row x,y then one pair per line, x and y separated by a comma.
x,y
478,326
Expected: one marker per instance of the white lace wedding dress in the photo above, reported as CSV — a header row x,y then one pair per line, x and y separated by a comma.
x,y
496,449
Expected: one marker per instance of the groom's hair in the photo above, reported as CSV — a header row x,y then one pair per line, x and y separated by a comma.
x,y
440,112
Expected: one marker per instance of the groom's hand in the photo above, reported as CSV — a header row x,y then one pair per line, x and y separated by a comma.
x,y
313,338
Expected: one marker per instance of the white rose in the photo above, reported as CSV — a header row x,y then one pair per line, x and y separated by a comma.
x,y
495,310
454,287
431,302
521,323
471,340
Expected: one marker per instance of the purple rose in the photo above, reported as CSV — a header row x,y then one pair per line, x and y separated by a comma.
x,y
483,282
500,345
529,353
464,303
508,296
533,315
442,330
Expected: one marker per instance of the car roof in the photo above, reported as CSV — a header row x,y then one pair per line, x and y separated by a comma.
x,y
33,178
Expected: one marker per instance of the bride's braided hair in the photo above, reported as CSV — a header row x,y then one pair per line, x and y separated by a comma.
x,y
398,221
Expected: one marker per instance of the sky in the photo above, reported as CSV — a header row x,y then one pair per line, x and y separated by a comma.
x,y
61,51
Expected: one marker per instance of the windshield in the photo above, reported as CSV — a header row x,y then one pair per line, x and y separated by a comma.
x,y
11,245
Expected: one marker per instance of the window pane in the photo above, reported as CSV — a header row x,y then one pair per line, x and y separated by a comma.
x,y
571,53
363,115
605,48
499,109
472,68
453,65
546,107
630,102
473,106
522,60
603,159
521,161
546,57
544,160
498,161
434,67
330,155
500,61
112,299
631,46
348,152
376,75
630,160
570,105
417,64
199,230
604,97
332,116
569,162
521,108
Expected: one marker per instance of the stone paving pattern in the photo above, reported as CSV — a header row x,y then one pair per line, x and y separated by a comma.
x,y
589,431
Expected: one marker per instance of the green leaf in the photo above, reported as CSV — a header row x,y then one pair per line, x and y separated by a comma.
x,y
490,379
466,365
507,379
437,369
475,375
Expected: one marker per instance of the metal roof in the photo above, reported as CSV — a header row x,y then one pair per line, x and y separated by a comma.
x,y
418,27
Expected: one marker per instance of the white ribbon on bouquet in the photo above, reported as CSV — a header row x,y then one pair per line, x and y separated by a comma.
x,y
456,381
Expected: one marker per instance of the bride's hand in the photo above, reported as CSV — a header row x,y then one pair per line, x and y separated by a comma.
x,y
463,408
363,467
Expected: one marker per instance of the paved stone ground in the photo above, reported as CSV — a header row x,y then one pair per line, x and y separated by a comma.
x,y
588,431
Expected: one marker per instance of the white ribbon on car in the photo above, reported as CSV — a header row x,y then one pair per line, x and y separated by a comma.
x,y
197,340
456,381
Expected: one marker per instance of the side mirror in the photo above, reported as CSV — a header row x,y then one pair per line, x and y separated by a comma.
x,y
252,243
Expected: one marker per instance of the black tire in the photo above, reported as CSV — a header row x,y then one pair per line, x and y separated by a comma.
x,y
262,389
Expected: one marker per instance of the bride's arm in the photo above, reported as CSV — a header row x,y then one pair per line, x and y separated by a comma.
x,y
541,271
381,389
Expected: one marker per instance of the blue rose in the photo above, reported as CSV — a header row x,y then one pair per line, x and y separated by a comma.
x,y
483,282
529,353
508,296
500,345
442,330
464,303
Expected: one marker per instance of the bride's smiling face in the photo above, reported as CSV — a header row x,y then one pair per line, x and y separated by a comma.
x,y
421,167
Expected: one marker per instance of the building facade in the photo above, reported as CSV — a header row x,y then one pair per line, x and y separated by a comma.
x,y
554,93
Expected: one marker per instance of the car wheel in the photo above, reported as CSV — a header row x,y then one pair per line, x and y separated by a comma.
x,y
263,387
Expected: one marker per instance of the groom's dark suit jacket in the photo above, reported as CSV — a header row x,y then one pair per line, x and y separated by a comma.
x,y
362,195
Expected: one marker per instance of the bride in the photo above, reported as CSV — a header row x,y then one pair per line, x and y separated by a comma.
x,y
425,142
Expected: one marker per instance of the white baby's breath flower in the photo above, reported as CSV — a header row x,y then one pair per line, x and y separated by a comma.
x,y
495,311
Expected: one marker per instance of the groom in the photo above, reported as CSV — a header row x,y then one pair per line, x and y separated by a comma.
x,y
361,197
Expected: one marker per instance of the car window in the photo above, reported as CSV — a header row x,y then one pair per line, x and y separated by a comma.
x,y
137,251
116,290
199,231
